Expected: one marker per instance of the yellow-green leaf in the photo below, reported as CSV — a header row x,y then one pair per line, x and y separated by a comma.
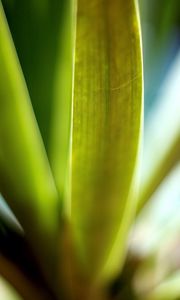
x,y
25,177
7,292
168,289
107,117
59,141
45,49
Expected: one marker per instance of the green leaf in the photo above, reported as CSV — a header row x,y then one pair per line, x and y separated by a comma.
x,y
59,142
162,136
168,289
155,237
36,30
161,169
25,178
45,48
107,119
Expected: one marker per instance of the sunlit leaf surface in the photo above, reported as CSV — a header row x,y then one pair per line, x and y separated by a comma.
x,y
7,292
106,129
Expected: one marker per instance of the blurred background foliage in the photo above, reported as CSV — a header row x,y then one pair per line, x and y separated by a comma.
x,y
40,19
152,267
154,246
160,22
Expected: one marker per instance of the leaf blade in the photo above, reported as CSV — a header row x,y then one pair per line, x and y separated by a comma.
x,y
25,177
107,95
162,134
60,137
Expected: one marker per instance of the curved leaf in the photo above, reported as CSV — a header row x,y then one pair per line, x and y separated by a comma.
x,y
59,142
45,48
7,216
161,170
168,289
36,30
17,279
7,292
15,249
107,115
159,221
25,177
162,136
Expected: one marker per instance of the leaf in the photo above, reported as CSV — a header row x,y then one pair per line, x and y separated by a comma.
x,y
107,119
161,170
7,292
160,43
155,237
8,217
168,289
45,48
59,142
159,221
162,136
15,249
21,283
25,178
36,28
